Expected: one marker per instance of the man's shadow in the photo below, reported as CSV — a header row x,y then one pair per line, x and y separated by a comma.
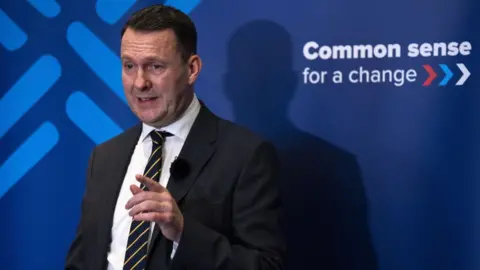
x,y
325,202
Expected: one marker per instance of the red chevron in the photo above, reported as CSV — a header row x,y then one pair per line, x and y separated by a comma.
x,y
431,75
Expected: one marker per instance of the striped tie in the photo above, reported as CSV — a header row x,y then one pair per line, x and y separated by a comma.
x,y
136,253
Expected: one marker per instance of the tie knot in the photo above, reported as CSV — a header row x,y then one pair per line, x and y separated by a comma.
x,y
158,137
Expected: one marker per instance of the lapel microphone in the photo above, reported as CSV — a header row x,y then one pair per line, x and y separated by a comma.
x,y
179,169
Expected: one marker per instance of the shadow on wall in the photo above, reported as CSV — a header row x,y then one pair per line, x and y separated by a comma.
x,y
325,203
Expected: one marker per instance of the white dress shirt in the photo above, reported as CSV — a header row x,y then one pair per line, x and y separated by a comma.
x,y
138,162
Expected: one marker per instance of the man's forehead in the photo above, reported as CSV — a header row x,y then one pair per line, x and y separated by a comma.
x,y
151,42
138,46
165,36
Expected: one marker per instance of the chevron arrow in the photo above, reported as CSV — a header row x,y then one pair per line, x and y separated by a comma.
x,y
448,74
431,75
465,75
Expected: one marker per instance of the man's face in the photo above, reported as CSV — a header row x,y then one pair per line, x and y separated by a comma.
x,y
156,81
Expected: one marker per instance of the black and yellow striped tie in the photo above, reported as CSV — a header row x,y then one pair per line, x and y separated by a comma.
x,y
136,253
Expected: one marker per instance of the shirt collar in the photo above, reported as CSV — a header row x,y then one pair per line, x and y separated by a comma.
x,y
179,128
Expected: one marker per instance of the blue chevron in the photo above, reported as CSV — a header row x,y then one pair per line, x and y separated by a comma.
x,y
448,74
90,118
11,36
48,8
38,145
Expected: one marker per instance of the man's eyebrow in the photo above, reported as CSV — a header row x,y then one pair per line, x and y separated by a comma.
x,y
145,59
154,58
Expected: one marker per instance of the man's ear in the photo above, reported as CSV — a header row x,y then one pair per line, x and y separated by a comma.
x,y
194,66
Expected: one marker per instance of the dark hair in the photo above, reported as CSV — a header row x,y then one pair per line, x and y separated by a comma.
x,y
161,17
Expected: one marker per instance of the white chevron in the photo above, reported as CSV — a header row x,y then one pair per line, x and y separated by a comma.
x,y
465,75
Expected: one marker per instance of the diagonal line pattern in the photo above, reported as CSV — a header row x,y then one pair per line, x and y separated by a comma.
x,y
48,8
11,36
28,90
38,145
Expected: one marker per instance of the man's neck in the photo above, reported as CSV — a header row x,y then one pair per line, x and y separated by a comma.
x,y
183,106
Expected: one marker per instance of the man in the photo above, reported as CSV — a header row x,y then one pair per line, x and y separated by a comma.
x,y
184,189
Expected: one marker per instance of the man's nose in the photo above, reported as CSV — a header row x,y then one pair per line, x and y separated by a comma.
x,y
141,81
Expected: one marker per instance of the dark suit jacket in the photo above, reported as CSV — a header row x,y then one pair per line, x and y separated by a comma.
x,y
229,199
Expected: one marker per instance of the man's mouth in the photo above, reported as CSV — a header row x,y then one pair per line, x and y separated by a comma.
x,y
146,99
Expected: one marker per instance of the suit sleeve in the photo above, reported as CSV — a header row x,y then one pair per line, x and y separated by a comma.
x,y
257,242
75,256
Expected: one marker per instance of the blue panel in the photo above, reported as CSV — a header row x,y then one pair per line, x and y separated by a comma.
x,y
389,173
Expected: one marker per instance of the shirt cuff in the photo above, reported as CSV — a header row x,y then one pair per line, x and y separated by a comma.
x,y
174,249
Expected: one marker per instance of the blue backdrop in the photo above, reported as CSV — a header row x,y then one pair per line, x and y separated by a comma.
x,y
380,172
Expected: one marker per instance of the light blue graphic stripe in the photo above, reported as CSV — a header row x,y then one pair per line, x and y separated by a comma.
x,y
111,11
448,74
28,90
90,118
105,63
37,146
11,36
184,5
48,8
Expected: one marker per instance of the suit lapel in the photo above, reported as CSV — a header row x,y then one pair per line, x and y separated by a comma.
x,y
196,151
116,169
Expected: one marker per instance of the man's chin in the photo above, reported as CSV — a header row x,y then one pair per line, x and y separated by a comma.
x,y
158,121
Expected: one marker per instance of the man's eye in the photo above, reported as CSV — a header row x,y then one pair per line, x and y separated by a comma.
x,y
128,65
155,66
